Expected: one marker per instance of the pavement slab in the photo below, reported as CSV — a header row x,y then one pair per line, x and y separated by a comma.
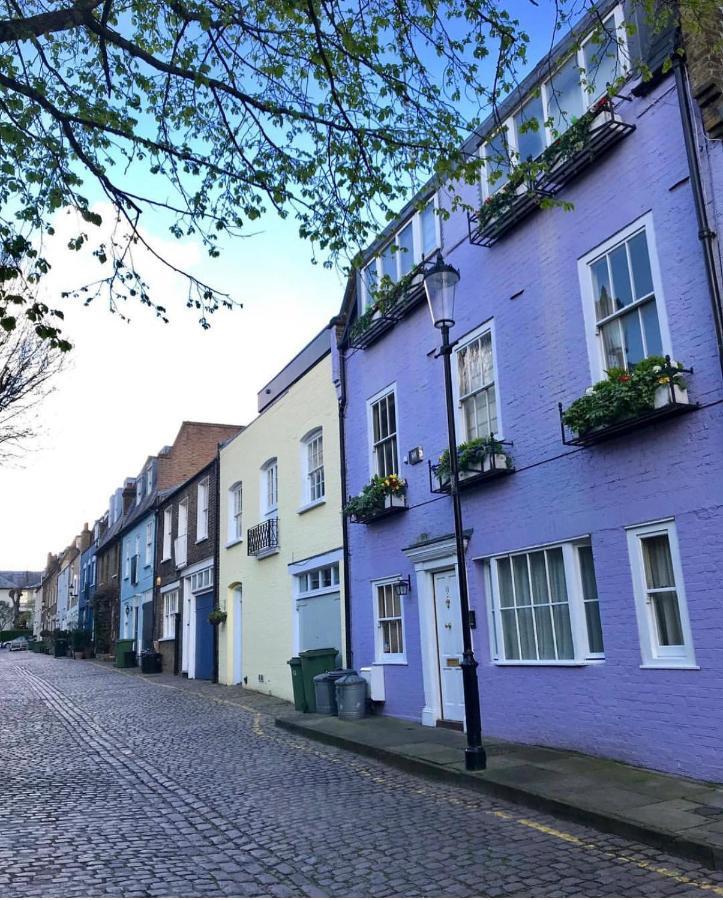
x,y
141,786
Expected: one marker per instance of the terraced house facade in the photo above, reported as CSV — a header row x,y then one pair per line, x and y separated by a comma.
x,y
593,536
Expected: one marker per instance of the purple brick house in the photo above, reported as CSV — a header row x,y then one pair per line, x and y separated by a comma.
x,y
595,547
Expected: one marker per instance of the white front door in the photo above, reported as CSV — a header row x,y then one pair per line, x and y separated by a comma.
x,y
449,644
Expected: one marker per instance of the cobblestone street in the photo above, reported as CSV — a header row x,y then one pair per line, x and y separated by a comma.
x,y
116,785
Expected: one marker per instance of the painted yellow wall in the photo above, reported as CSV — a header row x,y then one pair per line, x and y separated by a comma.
x,y
267,605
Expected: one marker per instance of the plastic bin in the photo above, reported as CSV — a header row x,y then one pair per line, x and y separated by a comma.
x,y
297,683
151,662
325,690
315,662
351,697
122,646
60,647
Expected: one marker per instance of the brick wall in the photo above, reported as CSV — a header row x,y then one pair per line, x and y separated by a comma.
x,y
195,445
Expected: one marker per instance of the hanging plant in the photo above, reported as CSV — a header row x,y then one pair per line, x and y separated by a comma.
x,y
217,616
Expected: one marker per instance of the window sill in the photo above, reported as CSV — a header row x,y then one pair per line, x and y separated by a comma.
x,y
390,662
307,506
671,665
559,663
201,540
167,559
234,543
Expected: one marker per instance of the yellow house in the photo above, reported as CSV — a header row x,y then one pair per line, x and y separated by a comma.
x,y
280,556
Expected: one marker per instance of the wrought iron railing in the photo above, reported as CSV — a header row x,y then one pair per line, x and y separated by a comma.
x,y
263,538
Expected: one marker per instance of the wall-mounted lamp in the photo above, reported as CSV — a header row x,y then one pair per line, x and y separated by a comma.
x,y
403,586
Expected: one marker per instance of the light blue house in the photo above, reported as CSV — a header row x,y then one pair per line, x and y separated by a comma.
x,y
137,558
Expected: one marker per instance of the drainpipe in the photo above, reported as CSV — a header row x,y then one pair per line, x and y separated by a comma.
x,y
344,521
216,556
706,235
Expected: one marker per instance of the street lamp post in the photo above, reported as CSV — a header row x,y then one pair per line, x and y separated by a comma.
x,y
440,282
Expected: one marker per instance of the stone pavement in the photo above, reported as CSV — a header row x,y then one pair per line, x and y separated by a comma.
x,y
118,785
679,815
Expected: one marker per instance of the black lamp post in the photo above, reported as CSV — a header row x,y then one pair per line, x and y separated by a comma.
x,y
440,283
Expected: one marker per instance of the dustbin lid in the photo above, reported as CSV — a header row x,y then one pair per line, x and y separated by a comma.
x,y
294,661
324,677
350,679
340,673
325,651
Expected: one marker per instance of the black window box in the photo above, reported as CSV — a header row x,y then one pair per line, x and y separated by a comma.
x,y
625,426
488,232
410,296
381,512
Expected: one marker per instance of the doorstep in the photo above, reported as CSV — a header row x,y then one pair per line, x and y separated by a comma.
x,y
677,815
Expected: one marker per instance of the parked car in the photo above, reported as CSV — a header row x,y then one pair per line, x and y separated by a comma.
x,y
18,643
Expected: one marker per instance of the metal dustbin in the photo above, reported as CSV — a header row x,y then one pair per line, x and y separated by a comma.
x,y
297,683
151,662
351,697
325,690
122,646
315,662
60,647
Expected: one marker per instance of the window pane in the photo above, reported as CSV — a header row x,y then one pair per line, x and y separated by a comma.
x,y
545,639
556,570
640,262
667,616
632,335
509,634
530,142
504,576
565,96
369,276
594,627
389,263
651,328
622,290
601,58
539,578
601,288
658,562
527,633
497,161
522,585
563,632
428,224
613,345
392,414
405,242
587,571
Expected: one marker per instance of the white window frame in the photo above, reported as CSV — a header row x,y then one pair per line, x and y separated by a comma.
x,y
380,657
389,389
653,654
235,516
595,349
307,501
183,505
269,499
149,479
202,502
168,596
167,533
148,560
465,341
303,579
588,100
576,605
418,254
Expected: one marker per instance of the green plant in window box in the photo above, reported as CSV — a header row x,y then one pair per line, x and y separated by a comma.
x,y
381,492
625,394
217,616
385,297
479,454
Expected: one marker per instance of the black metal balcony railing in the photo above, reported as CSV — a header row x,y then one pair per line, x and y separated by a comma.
x,y
263,538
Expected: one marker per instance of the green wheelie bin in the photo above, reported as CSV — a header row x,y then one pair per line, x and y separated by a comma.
x,y
122,646
297,683
315,662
